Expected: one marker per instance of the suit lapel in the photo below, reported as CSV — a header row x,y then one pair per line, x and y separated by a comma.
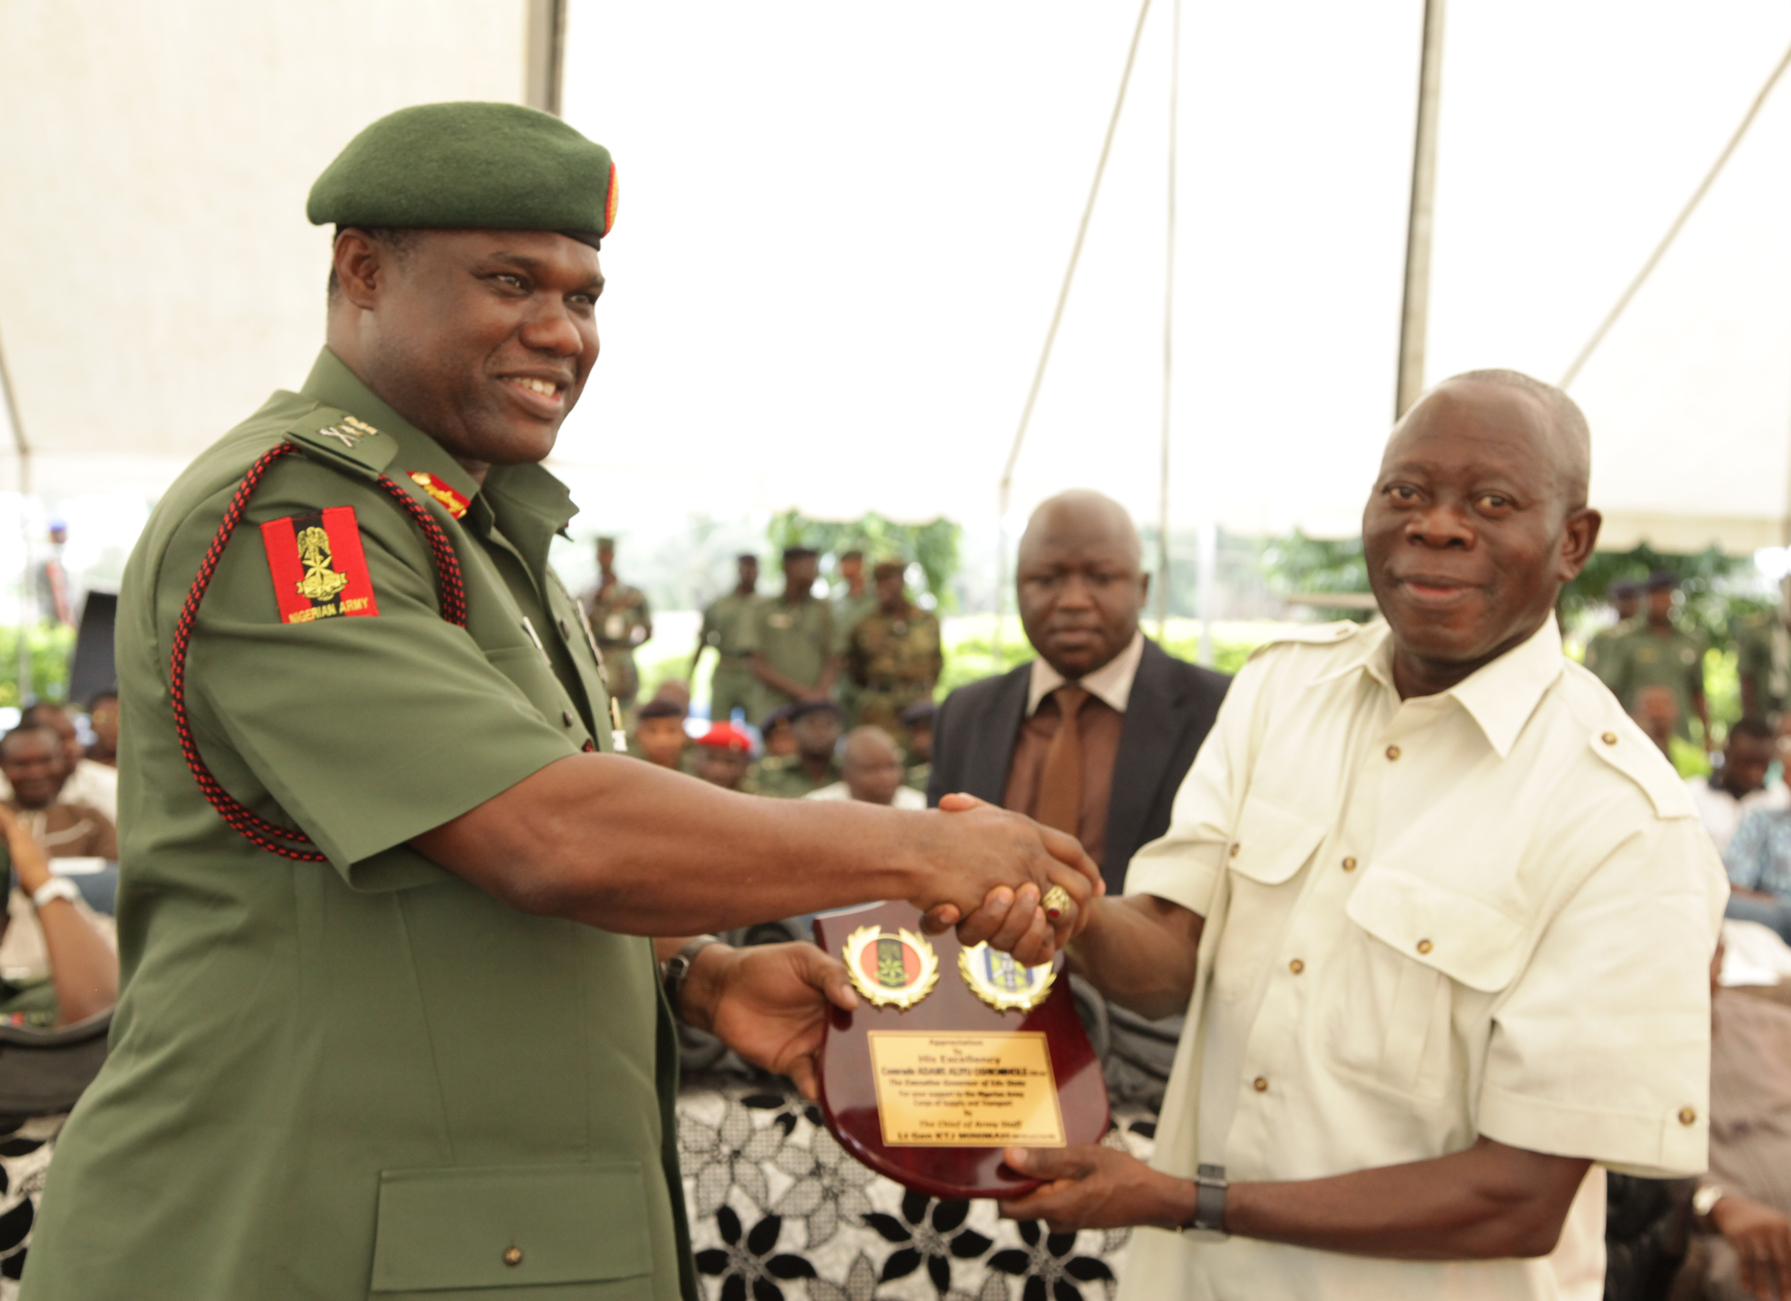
x,y
1146,747
994,735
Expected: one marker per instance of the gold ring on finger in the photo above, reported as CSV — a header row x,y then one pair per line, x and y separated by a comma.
x,y
1054,901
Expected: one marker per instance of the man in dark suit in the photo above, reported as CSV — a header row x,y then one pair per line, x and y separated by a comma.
x,y
1093,737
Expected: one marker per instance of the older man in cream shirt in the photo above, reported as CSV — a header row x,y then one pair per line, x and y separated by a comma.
x,y
1439,913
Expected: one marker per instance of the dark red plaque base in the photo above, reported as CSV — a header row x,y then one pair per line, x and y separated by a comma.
x,y
849,1093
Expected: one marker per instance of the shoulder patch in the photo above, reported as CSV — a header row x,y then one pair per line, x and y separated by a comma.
x,y
1315,634
1625,748
345,441
451,501
318,567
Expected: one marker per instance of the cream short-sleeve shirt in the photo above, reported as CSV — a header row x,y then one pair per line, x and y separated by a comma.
x,y
1485,912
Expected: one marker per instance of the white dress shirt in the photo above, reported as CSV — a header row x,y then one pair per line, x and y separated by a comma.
x,y
1488,911
906,797
1111,684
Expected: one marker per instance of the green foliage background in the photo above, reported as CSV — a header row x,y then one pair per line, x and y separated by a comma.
x,y
52,646
934,546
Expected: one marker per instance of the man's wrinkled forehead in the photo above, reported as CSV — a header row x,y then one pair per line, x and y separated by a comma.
x,y
1480,425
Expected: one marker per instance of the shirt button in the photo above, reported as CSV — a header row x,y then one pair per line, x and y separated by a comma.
x,y
566,717
1296,966
1234,851
1424,946
512,1255
565,630
1260,1084
1609,738
1349,864
1688,1116
1392,752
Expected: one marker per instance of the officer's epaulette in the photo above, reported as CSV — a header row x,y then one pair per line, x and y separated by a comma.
x,y
344,441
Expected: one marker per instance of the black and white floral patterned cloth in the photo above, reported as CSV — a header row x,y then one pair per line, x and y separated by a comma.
x,y
24,1158
778,1211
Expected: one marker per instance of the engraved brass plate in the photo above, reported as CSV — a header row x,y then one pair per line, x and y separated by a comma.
x,y
959,1089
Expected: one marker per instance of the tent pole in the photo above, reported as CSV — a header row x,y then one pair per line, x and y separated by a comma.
x,y
1005,494
1414,321
27,594
1685,213
544,54
1175,79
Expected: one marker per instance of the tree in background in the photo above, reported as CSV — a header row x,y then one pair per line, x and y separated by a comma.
x,y
933,546
1715,586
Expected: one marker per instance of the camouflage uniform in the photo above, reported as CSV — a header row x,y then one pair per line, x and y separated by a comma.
x,y
783,777
621,621
895,660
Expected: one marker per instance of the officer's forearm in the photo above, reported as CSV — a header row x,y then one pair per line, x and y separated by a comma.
x,y
1485,1203
629,847
1140,952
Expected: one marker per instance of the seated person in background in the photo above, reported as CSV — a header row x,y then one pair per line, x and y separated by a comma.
x,y
674,692
84,781
31,757
659,732
75,972
1657,714
102,717
816,726
724,758
873,772
917,719
1744,1204
778,733
1759,863
1738,787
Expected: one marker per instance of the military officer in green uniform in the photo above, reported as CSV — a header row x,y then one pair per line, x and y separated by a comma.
x,y
1657,652
893,654
789,640
391,1022
853,602
1604,647
622,622
732,685
816,725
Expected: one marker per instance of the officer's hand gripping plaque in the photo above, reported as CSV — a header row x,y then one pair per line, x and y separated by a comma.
x,y
952,1055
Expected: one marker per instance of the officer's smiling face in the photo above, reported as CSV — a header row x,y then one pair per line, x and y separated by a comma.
x,y
482,339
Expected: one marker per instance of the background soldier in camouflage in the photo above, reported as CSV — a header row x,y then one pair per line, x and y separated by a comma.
x,y
622,622
724,622
1658,653
893,654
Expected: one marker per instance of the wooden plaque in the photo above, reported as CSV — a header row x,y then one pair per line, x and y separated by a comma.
x,y
930,1092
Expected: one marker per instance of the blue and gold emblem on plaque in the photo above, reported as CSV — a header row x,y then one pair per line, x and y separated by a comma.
x,y
1001,982
891,970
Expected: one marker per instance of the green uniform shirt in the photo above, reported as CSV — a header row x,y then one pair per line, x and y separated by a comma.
x,y
1604,650
796,640
621,620
894,659
724,628
365,1076
782,777
1676,661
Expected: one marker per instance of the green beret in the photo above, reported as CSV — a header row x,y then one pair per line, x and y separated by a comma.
x,y
470,166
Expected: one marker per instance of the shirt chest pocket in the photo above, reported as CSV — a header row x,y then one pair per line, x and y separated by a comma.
x,y
1412,948
527,667
1272,844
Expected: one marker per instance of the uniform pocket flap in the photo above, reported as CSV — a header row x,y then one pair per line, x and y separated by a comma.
x,y
509,1226
1467,940
1272,842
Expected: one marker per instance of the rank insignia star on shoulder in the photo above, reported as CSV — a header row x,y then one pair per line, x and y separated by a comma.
x,y
318,566
455,504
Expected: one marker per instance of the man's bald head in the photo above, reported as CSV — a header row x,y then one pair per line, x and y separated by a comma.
x,y
1573,436
1081,581
872,765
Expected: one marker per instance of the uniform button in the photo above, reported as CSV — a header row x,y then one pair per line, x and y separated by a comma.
x,y
1688,1116
1424,946
1349,864
1609,738
565,630
1260,1084
1234,851
1392,752
512,1255
566,717
1296,966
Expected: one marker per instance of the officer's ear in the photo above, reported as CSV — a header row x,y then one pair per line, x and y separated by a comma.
x,y
358,269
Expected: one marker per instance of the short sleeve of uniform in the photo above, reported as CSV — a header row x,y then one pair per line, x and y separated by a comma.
x,y
1601,1048
1185,865
369,729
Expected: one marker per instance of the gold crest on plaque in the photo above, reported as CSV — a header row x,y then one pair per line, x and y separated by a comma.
x,y
1002,983
891,970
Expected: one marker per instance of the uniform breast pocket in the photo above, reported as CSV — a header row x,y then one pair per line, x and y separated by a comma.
x,y
1272,844
528,668
1411,949
498,1231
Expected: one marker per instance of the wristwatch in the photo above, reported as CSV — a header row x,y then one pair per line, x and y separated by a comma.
x,y
1208,1224
1705,1199
57,887
675,968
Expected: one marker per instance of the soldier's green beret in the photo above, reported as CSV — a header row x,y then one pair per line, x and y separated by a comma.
x,y
470,166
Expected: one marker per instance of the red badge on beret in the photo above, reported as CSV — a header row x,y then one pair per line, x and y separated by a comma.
x,y
609,203
318,567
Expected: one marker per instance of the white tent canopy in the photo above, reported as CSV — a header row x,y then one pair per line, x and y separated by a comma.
x,y
842,229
